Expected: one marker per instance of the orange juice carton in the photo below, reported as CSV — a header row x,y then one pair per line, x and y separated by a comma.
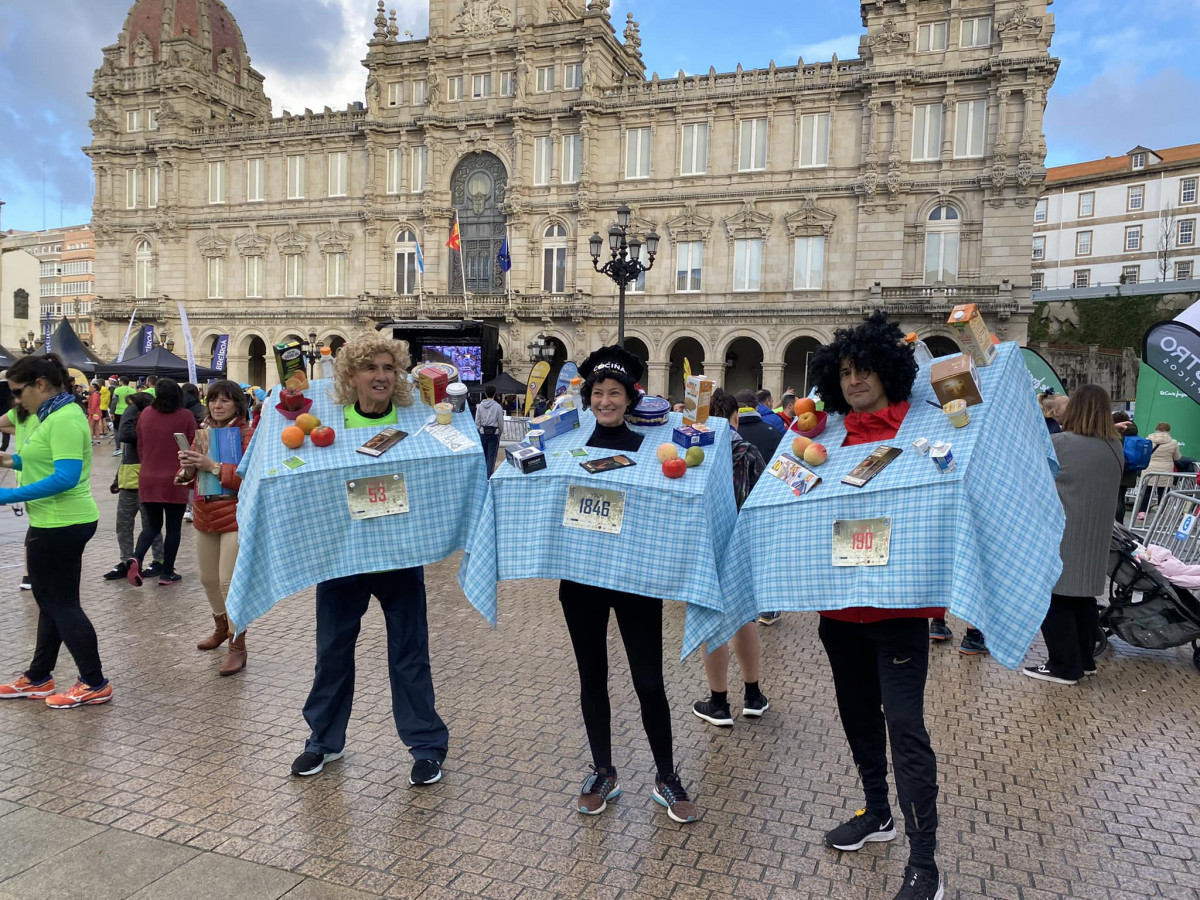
x,y
972,333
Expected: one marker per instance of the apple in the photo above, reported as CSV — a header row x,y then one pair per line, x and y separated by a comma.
x,y
291,400
693,457
804,405
667,451
674,468
322,436
806,421
815,454
799,445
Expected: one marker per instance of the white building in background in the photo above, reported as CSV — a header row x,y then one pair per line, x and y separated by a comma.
x,y
20,277
1125,219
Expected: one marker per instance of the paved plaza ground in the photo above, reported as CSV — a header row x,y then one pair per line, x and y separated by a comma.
x,y
180,788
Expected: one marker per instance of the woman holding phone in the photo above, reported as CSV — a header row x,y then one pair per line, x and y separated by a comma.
x,y
163,430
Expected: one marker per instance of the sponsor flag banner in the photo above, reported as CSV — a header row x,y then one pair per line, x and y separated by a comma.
x,y
146,343
536,378
1041,373
187,342
125,340
687,370
1172,349
220,355
46,333
565,374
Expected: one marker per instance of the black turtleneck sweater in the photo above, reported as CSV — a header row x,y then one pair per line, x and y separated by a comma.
x,y
618,437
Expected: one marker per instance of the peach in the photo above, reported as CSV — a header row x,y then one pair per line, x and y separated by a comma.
x,y
799,445
667,451
804,405
815,454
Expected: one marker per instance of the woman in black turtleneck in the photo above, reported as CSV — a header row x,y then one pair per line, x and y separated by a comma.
x,y
610,389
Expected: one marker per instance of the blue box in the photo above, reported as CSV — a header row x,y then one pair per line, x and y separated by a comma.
x,y
556,422
692,435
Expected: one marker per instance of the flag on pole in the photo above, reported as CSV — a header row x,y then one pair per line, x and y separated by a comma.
x,y
687,369
46,332
125,340
455,242
504,258
187,343
420,258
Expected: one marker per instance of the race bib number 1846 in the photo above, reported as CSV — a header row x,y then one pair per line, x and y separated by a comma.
x,y
595,509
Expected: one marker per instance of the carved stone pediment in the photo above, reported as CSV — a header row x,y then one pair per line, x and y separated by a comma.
x,y
748,223
213,246
1021,25
478,18
889,38
252,244
809,219
689,225
334,240
292,241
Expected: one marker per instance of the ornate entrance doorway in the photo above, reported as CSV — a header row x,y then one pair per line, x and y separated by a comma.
x,y
477,191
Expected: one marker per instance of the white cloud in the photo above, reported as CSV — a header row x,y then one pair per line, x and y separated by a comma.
x,y
845,46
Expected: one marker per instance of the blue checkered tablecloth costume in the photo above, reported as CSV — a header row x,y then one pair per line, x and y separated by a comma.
x,y
294,525
982,540
672,539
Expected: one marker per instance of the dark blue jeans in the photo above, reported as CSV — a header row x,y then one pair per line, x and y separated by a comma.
x,y
491,444
341,603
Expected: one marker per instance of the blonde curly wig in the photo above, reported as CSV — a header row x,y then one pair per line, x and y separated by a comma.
x,y
355,355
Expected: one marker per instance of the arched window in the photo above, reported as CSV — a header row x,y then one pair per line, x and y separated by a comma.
x,y
554,259
408,262
143,270
941,245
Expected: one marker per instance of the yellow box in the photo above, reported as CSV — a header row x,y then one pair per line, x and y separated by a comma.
x,y
972,333
697,396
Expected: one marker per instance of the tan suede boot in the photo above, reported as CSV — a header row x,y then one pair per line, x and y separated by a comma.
x,y
219,636
236,660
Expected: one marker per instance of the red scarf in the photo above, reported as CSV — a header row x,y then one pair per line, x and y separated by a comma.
x,y
868,427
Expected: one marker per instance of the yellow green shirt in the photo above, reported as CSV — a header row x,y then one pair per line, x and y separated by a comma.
x,y
20,432
121,396
64,434
354,419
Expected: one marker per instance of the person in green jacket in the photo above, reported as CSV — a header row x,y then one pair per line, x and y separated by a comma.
x,y
121,395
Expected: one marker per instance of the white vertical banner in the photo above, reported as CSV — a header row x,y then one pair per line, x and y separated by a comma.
x,y
187,342
128,331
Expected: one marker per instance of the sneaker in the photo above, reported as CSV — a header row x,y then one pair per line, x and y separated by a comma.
x,y
669,792
81,694
1042,673
1141,517
117,572
712,713
133,572
153,570
769,618
973,643
23,687
187,514
309,763
1089,671
939,631
425,771
117,452
864,828
26,584
170,578
598,788
921,884
755,706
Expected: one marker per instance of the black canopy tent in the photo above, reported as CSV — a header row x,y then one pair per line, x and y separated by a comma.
x,y
160,362
73,352
505,384
6,358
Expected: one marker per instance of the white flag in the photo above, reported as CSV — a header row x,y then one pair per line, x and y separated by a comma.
x,y
187,342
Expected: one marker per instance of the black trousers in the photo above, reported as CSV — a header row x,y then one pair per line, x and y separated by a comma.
x,y
639,618
1070,631
153,516
341,603
491,445
55,559
879,672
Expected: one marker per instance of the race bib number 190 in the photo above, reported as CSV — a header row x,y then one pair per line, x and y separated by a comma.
x,y
594,509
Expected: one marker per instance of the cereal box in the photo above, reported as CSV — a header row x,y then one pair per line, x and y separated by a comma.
x,y
697,395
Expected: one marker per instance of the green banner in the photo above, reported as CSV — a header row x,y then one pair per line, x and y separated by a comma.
x,y
1040,371
1158,400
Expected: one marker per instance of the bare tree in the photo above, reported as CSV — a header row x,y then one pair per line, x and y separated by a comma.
x,y
1166,240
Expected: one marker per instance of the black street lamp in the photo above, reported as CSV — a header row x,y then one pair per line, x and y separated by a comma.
x,y
625,265
311,350
27,344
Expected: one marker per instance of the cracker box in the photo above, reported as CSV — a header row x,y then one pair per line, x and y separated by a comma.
x,y
556,422
526,457
289,361
955,378
692,436
432,384
697,395
972,333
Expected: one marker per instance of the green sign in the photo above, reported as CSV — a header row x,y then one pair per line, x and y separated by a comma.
x,y
1041,373
1159,400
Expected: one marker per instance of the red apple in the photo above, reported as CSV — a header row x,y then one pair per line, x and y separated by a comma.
x,y
291,400
322,436
815,454
674,468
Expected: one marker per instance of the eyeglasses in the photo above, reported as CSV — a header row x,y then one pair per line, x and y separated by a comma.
x,y
16,392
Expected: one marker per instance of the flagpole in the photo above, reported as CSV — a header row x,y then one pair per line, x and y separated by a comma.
x,y
507,272
461,265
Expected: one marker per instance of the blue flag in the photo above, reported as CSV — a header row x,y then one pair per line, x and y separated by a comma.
x,y
503,256
420,258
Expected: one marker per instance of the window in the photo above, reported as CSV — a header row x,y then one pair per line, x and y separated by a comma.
x,y
1039,211
254,276
508,84
481,86
216,182
941,245
554,260
1136,197
131,188
1130,274
545,78
1186,234
976,32
931,37
152,187
395,93
927,131
814,140
216,277
1183,270
637,153
970,121
689,265
752,156
295,177
543,149
1133,237
1081,278
335,274
1037,281
418,93
1187,190
1087,204
339,175
810,263
638,285
572,147
395,161
1083,243
152,119
1039,247
573,76
420,164
133,120
1139,161
255,182
694,149
406,262
454,87
293,274
747,264
143,270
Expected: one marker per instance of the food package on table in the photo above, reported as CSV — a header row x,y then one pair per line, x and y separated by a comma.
x,y
955,378
692,435
431,382
972,333
526,457
289,361
697,395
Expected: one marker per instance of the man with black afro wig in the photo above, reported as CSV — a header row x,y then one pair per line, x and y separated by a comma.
x,y
880,657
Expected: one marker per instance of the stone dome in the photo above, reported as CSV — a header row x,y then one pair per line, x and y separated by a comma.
x,y
208,23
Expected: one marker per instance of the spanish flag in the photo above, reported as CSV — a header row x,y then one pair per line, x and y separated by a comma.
x,y
455,242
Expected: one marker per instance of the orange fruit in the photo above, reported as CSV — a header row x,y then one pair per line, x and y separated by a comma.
x,y
306,422
803,405
292,436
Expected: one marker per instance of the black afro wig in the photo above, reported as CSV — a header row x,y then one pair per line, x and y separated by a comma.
x,y
611,362
876,345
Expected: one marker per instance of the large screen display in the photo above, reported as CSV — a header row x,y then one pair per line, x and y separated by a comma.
x,y
467,359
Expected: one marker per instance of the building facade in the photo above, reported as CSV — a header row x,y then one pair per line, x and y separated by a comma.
x,y
66,280
1119,220
18,297
790,199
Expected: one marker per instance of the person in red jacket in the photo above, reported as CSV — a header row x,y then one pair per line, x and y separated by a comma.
x,y
214,513
880,657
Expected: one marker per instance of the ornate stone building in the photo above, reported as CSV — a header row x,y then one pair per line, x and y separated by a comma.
x,y
790,198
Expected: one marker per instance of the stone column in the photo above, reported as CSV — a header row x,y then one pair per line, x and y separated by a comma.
x,y
716,371
773,379
658,378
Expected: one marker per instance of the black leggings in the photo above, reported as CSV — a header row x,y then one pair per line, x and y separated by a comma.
x,y
640,620
152,518
55,558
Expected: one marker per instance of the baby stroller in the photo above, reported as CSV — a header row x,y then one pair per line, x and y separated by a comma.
x,y
1144,608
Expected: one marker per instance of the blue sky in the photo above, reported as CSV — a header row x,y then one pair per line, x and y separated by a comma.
x,y
1125,77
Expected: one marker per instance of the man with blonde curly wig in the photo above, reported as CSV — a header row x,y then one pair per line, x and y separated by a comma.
x,y
370,381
